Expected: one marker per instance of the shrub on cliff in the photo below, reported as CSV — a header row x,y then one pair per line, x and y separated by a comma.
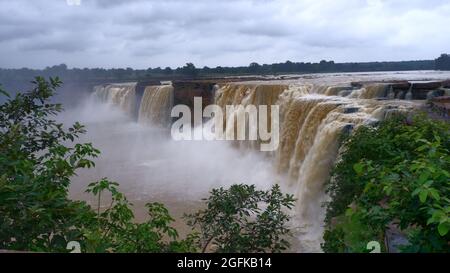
x,y
244,219
392,175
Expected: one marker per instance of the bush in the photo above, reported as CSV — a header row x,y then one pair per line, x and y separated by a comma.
x,y
116,231
36,165
394,174
243,219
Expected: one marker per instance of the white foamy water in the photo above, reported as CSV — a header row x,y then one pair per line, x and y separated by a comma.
x,y
314,111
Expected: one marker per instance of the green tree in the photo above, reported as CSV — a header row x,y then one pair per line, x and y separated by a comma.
x,y
443,62
243,219
394,174
35,171
167,71
189,70
116,231
38,156
254,67
36,164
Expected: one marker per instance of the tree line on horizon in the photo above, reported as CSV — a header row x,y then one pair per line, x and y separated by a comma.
x,y
18,79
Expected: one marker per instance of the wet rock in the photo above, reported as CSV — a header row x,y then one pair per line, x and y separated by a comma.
x,y
441,105
446,84
394,239
420,90
347,129
435,93
446,91
345,93
357,85
372,122
427,85
349,110
185,91
400,85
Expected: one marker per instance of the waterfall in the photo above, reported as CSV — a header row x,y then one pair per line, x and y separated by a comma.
x,y
245,94
314,152
370,92
408,95
312,117
156,105
391,93
311,121
120,95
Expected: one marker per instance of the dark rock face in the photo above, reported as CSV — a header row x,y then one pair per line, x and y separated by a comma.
x,y
427,85
435,93
446,84
420,90
441,105
401,85
344,93
347,129
357,84
349,110
185,91
140,86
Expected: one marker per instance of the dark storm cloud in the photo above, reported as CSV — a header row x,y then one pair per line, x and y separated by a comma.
x,y
142,33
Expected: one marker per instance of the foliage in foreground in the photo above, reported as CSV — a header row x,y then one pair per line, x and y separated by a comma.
x,y
235,220
36,214
396,174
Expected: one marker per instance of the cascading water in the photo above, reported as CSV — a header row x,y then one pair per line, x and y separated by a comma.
x,y
156,105
311,121
312,117
245,94
370,92
408,95
121,95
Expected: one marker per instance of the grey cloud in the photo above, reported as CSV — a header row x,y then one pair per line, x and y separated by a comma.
x,y
142,33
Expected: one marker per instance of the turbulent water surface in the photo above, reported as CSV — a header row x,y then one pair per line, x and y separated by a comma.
x,y
314,109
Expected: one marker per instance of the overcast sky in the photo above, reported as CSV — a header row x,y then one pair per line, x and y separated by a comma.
x,y
150,33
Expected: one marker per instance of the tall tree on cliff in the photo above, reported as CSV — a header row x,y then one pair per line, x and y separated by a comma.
x,y
443,62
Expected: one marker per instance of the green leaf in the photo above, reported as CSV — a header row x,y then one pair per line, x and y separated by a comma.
x,y
434,193
443,228
416,191
423,177
387,189
359,168
349,212
423,196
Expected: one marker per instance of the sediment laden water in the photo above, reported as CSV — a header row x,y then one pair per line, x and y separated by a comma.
x,y
246,94
311,121
156,105
120,95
